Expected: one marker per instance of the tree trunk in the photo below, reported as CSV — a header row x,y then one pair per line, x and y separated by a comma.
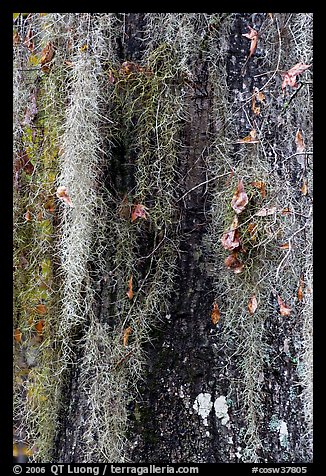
x,y
146,349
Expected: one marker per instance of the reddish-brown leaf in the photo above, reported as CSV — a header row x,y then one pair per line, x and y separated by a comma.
x,y
252,229
285,246
253,36
17,335
130,292
299,141
47,55
252,304
50,205
216,316
16,38
232,262
286,211
290,76
139,211
300,289
231,239
255,109
250,139
63,195
41,309
263,212
126,334
240,198
304,187
23,162
285,310
28,215
301,158
29,41
261,187
40,326
129,67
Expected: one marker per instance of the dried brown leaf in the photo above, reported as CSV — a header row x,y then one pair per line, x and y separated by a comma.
x,y
252,230
300,289
16,38
285,310
18,335
285,246
261,187
304,187
255,109
29,41
63,195
232,262
252,304
130,292
290,76
40,326
240,198
41,309
250,139
28,215
216,316
139,211
126,334
230,239
299,141
253,36
263,212
47,55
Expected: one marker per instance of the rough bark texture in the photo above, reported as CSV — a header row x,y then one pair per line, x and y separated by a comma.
x,y
189,390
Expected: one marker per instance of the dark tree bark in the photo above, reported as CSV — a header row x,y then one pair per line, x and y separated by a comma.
x,y
207,392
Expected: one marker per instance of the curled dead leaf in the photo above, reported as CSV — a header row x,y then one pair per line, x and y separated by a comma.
x,y
304,187
28,215
130,292
253,36
286,211
230,239
253,229
255,109
47,55
299,141
129,67
232,262
41,309
29,41
126,334
290,76
300,289
252,138
63,195
139,211
285,310
18,335
300,148
285,246
261,186
216,316
16,38
252,304
263,212
240,198
40,326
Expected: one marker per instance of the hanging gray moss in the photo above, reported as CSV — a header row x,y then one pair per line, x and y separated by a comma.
x,y
141,117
